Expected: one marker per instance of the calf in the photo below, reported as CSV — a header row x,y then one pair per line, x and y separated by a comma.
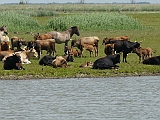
x,y
13,62
109,49
88,64
143,53
69,57
86,43
59,62
42,37
108,62
73,51
48,45
152,60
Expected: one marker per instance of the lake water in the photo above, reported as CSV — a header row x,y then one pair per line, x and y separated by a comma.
x,y
122,98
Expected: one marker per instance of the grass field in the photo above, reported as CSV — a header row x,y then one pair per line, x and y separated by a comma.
x,y
137,24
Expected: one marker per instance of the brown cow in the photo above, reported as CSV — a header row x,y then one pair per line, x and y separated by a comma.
x,y
143,53
42,37
5,46
109,49
86,43
127,38
48,44
73,51
88,64
59,62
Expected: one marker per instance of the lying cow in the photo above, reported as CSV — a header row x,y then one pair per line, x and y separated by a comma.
x,y
107,62
69,57
42,36
143,53
73,51
152,60
13,62
59,62
6,53
24,55
46,60
87,64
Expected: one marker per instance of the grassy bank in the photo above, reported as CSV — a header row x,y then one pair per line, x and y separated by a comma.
x,y
146,28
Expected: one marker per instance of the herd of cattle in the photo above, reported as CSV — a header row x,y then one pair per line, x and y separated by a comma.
x,y
14,58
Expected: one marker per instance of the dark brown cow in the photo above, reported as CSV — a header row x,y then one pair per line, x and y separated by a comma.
x,y
5,46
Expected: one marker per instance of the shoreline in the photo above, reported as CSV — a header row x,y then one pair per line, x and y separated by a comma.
x,y
31,77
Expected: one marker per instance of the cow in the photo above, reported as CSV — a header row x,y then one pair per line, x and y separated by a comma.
x,y
13,62
17,42
6,53
107,62
123,46
87,64
24,55
42,36
86,43
73,51
127,38
46,60
152,60
143,53
109,49
5,46
69,57
48,45
59,62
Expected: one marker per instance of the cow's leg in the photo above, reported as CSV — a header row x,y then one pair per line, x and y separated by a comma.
x,y
124,57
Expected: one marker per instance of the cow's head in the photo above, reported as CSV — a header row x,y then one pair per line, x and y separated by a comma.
x,y
104,41
33,53
4,29
36,36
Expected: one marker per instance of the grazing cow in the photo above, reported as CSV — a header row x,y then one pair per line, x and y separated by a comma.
x,y
59,62
13,62
48,45
123,46
116,38
152,60
5,46
17,42
109,49
42,37
86,43
88,64
47,60
107,62
143,53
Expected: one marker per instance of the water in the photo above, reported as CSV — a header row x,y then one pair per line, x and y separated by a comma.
x,y
122,98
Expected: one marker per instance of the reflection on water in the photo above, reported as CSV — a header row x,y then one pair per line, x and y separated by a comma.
x,y
84,98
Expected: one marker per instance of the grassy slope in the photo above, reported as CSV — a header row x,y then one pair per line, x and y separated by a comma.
x,y
150,36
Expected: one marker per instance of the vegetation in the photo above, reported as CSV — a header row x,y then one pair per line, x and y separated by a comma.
x,y
101,22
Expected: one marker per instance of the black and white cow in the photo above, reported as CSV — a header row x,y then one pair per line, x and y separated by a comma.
x,y
13,62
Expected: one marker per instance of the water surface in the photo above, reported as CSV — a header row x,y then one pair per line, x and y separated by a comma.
x,y
123,98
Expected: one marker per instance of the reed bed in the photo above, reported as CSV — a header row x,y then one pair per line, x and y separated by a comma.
x,y
52,9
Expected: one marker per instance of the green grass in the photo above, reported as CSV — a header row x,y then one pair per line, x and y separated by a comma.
x,y
149,34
